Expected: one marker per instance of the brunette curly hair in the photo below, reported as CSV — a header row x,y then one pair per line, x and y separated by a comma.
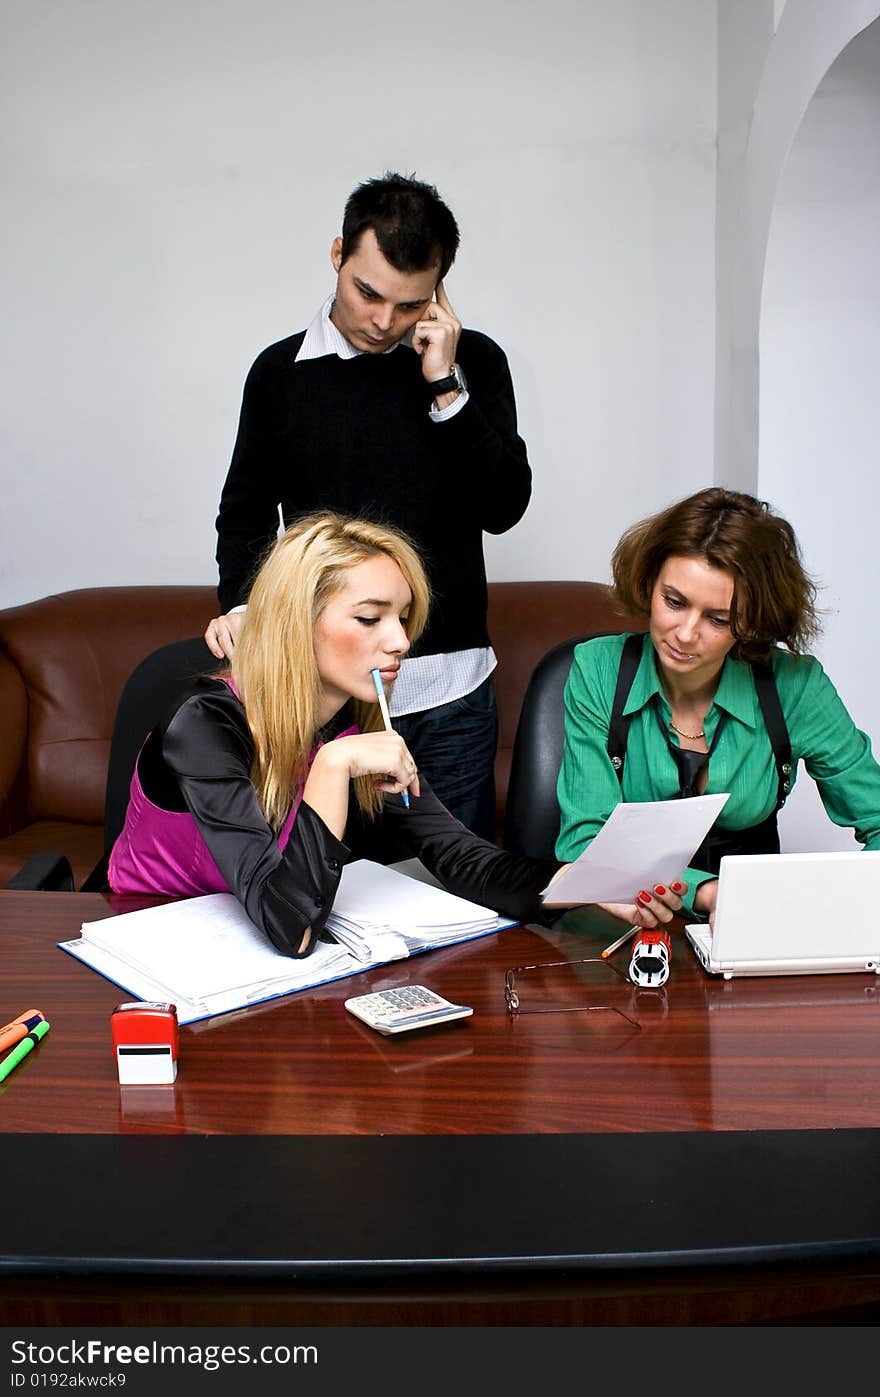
x,y
774,599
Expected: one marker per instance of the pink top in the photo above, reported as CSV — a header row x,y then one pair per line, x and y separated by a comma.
x,y
163,852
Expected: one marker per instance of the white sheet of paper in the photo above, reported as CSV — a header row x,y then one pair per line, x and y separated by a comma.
x,y
640,844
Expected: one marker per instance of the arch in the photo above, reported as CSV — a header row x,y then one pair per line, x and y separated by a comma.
x,y
819,416
810,36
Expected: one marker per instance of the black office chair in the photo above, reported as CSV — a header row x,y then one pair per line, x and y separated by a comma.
x,y
531,816
149,691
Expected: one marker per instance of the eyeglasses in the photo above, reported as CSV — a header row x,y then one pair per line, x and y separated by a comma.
x,y
547,991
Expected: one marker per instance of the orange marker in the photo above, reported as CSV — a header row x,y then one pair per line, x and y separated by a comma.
x,y
12,1033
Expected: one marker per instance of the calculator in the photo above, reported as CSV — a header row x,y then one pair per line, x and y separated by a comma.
x,y
403,1008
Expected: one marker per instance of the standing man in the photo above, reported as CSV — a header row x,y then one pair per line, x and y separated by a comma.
x,y
385,408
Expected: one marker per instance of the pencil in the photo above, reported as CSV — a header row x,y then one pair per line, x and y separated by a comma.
x,y
616,945
386,716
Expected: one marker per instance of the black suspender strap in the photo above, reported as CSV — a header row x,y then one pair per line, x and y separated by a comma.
x,y
618,726
768,698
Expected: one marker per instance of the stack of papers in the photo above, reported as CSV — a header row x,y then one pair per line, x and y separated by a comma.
x,y
381,914
205,955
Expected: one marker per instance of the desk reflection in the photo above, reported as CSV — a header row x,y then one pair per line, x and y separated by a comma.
x,y
781,1046
423,1048
153,1109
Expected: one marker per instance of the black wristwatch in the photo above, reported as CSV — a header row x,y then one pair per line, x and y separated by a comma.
x,y
454,382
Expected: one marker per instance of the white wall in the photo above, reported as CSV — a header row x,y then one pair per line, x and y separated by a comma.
x,y
772,55
745,35
820,349
175,171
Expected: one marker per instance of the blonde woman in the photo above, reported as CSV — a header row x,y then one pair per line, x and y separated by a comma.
x,y
265,780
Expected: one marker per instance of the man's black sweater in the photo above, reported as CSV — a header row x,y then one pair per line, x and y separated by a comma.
x,y
355,436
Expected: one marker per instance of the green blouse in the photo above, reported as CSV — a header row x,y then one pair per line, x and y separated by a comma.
x,y
835,753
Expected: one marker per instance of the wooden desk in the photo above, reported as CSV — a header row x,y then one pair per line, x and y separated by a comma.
x,y
718,1164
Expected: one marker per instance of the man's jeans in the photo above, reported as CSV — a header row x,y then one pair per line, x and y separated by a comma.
x,y
454,748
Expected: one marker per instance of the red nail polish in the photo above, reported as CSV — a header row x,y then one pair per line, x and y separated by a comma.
x,y
659,889
677,887
644,897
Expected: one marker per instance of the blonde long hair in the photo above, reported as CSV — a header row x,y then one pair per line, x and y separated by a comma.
x,y
274,667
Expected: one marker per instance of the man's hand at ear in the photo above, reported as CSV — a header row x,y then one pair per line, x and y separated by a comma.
x,y
435,338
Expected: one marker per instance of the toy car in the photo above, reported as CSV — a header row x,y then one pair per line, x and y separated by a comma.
x,y
651,954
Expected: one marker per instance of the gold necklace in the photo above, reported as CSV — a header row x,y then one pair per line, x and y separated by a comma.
x,y
691,736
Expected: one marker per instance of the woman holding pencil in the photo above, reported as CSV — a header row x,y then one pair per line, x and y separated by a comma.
x,y
267,778
719,695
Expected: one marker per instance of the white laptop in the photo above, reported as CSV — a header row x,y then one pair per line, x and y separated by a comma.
x,y
793,914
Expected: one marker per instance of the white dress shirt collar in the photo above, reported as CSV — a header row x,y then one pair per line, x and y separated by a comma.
x,y
322,338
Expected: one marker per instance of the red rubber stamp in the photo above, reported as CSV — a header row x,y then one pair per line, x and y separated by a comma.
x,y
145,1043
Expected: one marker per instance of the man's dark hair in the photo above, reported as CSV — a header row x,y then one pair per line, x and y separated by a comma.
x,y
413,227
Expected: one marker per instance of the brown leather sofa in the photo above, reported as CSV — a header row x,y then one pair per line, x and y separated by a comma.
x,y
64,661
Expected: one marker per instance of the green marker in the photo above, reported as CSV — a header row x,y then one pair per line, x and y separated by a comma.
x,y
22,1049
